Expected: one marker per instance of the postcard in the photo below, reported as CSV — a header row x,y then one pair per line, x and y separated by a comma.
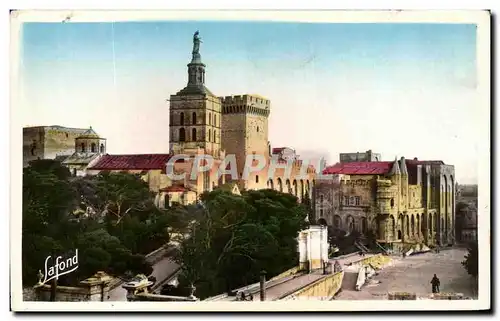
x,y
250,160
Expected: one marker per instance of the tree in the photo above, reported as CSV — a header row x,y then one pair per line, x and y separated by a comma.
x,y
471,260
235,237
109,218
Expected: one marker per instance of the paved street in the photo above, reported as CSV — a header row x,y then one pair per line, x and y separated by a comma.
x,y
413,274
161,270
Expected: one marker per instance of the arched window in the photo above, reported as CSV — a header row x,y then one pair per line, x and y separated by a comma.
x,y
182,135
215,136
194,118
93,148
215,120
193,134
182,119
82,147
392,202
256,178
209,135
209,118
101,149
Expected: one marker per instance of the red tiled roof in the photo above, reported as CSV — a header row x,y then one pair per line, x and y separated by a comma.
x,y
172,189
132,162
278,150
359,168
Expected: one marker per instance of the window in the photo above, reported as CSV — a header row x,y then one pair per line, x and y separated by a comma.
x,y
356,200
321,198
182,135
256,178
193,134
351,200
215,120
74,171
215,133
93,148
392,202
82,147
209,118
321,212
257,129
346,200
101,149
208,136
182,119
194,118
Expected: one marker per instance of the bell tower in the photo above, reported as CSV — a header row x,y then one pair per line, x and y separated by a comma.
x,y
195,113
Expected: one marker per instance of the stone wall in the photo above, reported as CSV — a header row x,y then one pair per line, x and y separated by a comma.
x,y
48,142
72,294
324,289
60,141
33,144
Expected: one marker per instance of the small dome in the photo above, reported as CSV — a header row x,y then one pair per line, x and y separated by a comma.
x,y
89,133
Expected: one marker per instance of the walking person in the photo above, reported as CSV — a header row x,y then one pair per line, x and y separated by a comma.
x,y
435,284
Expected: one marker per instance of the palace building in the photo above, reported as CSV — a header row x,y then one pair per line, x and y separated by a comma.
x,y
399,202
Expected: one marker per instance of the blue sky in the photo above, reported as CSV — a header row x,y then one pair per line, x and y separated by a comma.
x,y
398,89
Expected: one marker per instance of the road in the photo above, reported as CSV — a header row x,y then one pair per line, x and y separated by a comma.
x,y
413,274
161,270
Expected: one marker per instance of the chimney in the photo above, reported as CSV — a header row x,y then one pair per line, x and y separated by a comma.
x,y
263,285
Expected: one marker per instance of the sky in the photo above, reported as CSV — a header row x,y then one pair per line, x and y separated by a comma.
x,y
398,89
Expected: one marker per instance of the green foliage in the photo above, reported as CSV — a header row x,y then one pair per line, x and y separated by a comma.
x,y
471,263
236,237
110,218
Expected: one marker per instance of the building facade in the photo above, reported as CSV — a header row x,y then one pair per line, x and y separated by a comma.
x,y
49,142
399,202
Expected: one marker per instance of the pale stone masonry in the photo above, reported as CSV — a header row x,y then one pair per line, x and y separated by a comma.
x,y
400,202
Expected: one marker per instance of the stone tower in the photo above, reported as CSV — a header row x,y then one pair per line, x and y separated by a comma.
x,y
245,132
195,113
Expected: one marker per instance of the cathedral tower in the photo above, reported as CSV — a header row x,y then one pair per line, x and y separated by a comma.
x,y
195,113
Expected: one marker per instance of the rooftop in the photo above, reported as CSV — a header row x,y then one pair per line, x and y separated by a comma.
x,y
359,168
132,162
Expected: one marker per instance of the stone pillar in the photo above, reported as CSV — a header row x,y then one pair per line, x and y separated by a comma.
x,y
303,262
325,244
97,286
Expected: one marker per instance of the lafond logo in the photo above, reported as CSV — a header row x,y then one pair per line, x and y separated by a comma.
x,y
54,269
253,163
